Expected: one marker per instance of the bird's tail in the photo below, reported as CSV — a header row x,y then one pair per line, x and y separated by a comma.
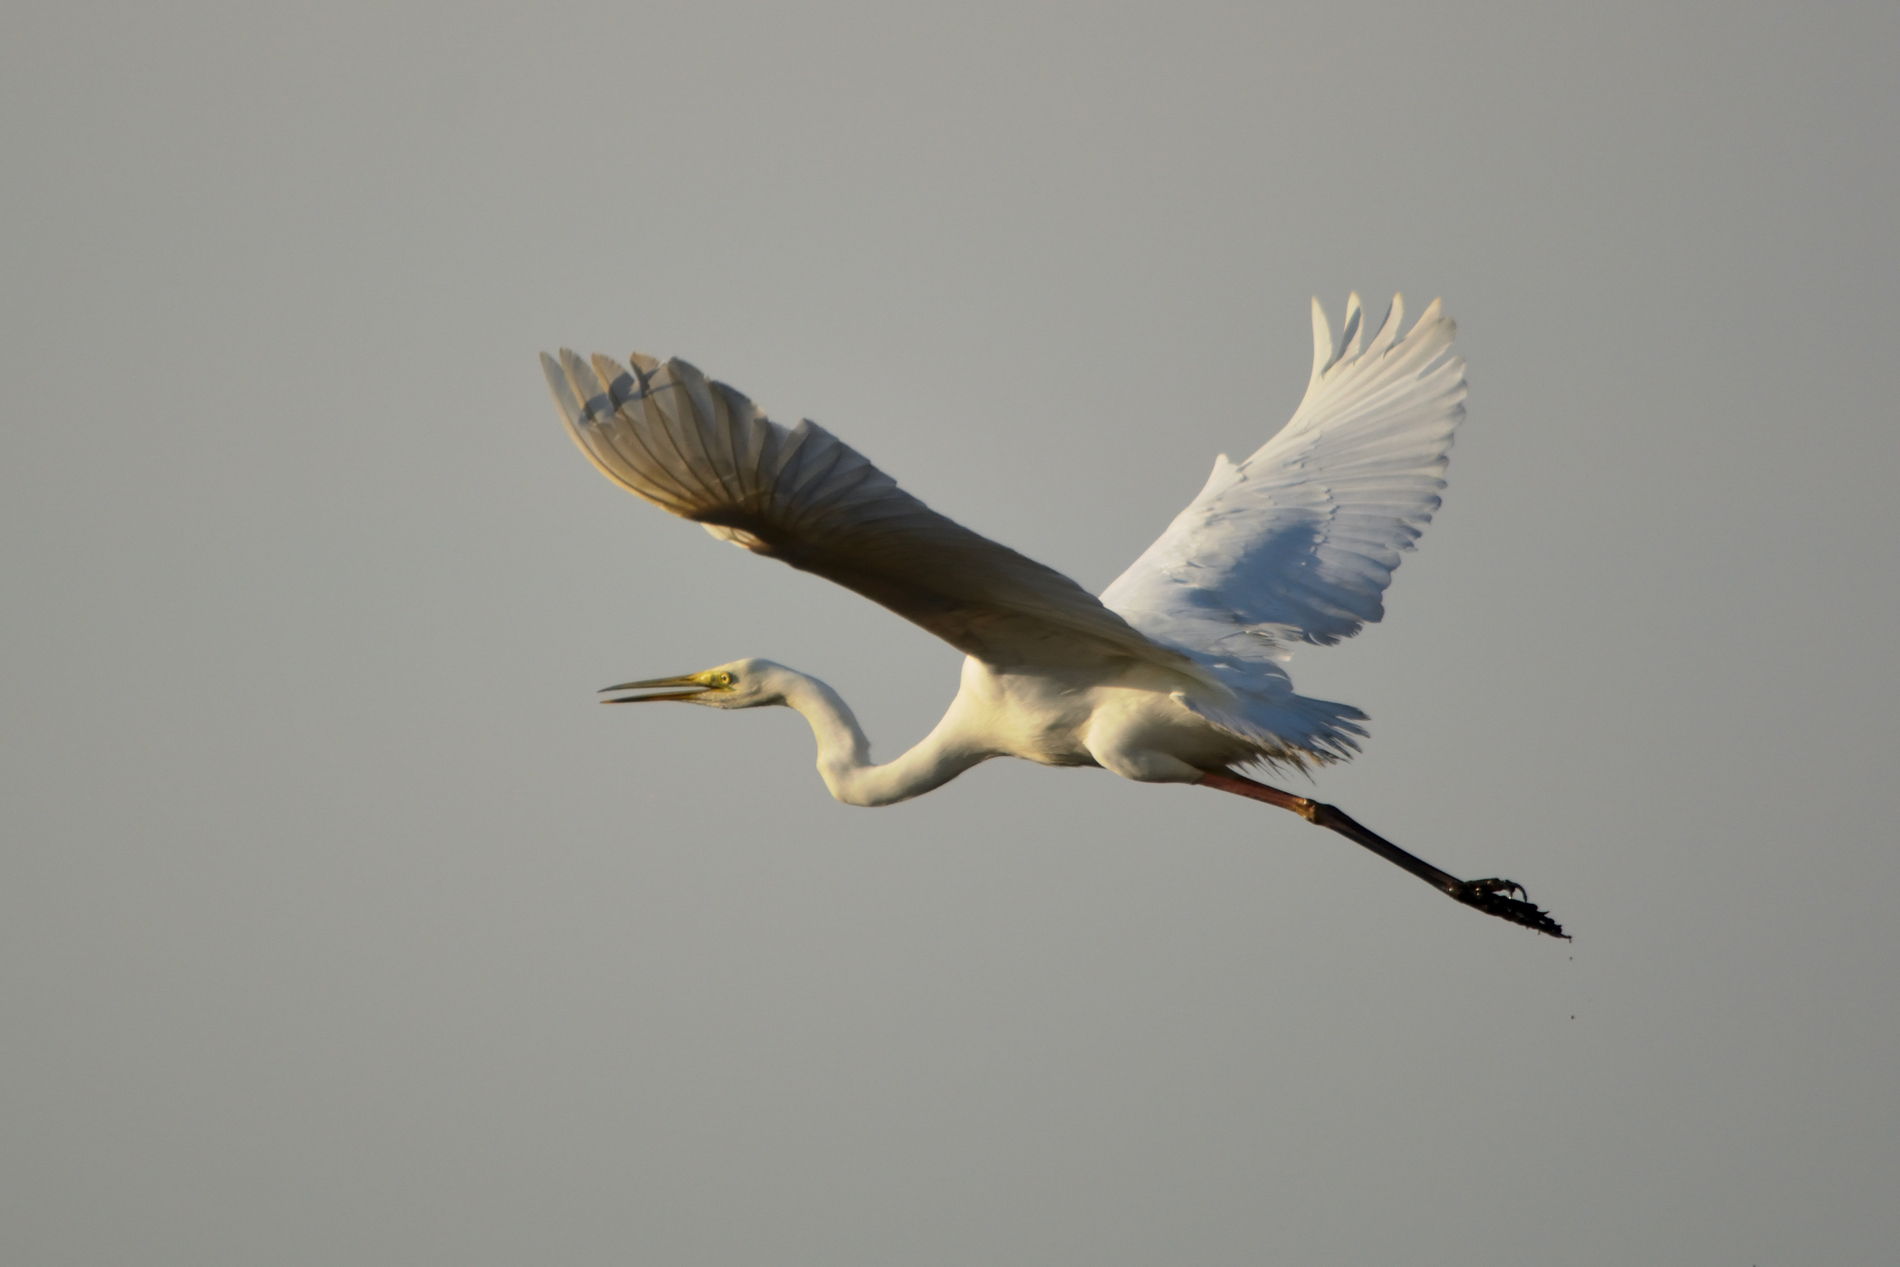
x,y
1288,731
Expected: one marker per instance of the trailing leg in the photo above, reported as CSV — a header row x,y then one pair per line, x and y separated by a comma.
x,y
1490,896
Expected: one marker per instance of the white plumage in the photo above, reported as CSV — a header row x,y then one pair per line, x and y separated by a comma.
x,y
1298,542
1174,675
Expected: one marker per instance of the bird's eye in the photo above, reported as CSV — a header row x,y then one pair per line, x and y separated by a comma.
x,y
722,679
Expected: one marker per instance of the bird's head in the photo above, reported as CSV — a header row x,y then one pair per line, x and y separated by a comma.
x,y
741,684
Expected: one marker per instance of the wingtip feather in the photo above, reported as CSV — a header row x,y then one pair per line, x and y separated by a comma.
x,y
1354,337
1322,342
1389,328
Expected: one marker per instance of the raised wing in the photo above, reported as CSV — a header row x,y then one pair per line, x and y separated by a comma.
x,y
1298,543
704,452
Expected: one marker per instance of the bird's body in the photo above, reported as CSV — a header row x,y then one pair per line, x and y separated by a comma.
x,y
1175,675
1133,725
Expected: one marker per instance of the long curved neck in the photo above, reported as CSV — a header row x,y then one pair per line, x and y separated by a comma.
x,y
844,754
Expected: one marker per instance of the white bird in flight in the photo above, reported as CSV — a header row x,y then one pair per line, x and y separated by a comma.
x,y
1174,675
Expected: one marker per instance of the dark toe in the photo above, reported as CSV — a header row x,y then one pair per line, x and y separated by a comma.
x,y
1489,897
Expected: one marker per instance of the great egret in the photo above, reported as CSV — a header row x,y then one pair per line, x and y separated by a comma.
x,y
1173,676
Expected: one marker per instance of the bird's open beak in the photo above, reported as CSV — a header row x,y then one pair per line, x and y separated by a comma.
x,y
692,680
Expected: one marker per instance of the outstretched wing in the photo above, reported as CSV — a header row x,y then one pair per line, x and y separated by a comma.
x,y
1298,543
704,452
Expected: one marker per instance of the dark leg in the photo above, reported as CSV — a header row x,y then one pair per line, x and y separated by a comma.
x,y
1489,896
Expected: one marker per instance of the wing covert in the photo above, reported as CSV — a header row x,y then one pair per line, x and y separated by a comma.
x,y
703,451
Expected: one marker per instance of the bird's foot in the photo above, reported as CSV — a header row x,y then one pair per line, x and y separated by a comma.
x,y
1491,897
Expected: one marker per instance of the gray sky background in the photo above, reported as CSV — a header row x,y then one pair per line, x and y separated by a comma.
x,y
337,924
